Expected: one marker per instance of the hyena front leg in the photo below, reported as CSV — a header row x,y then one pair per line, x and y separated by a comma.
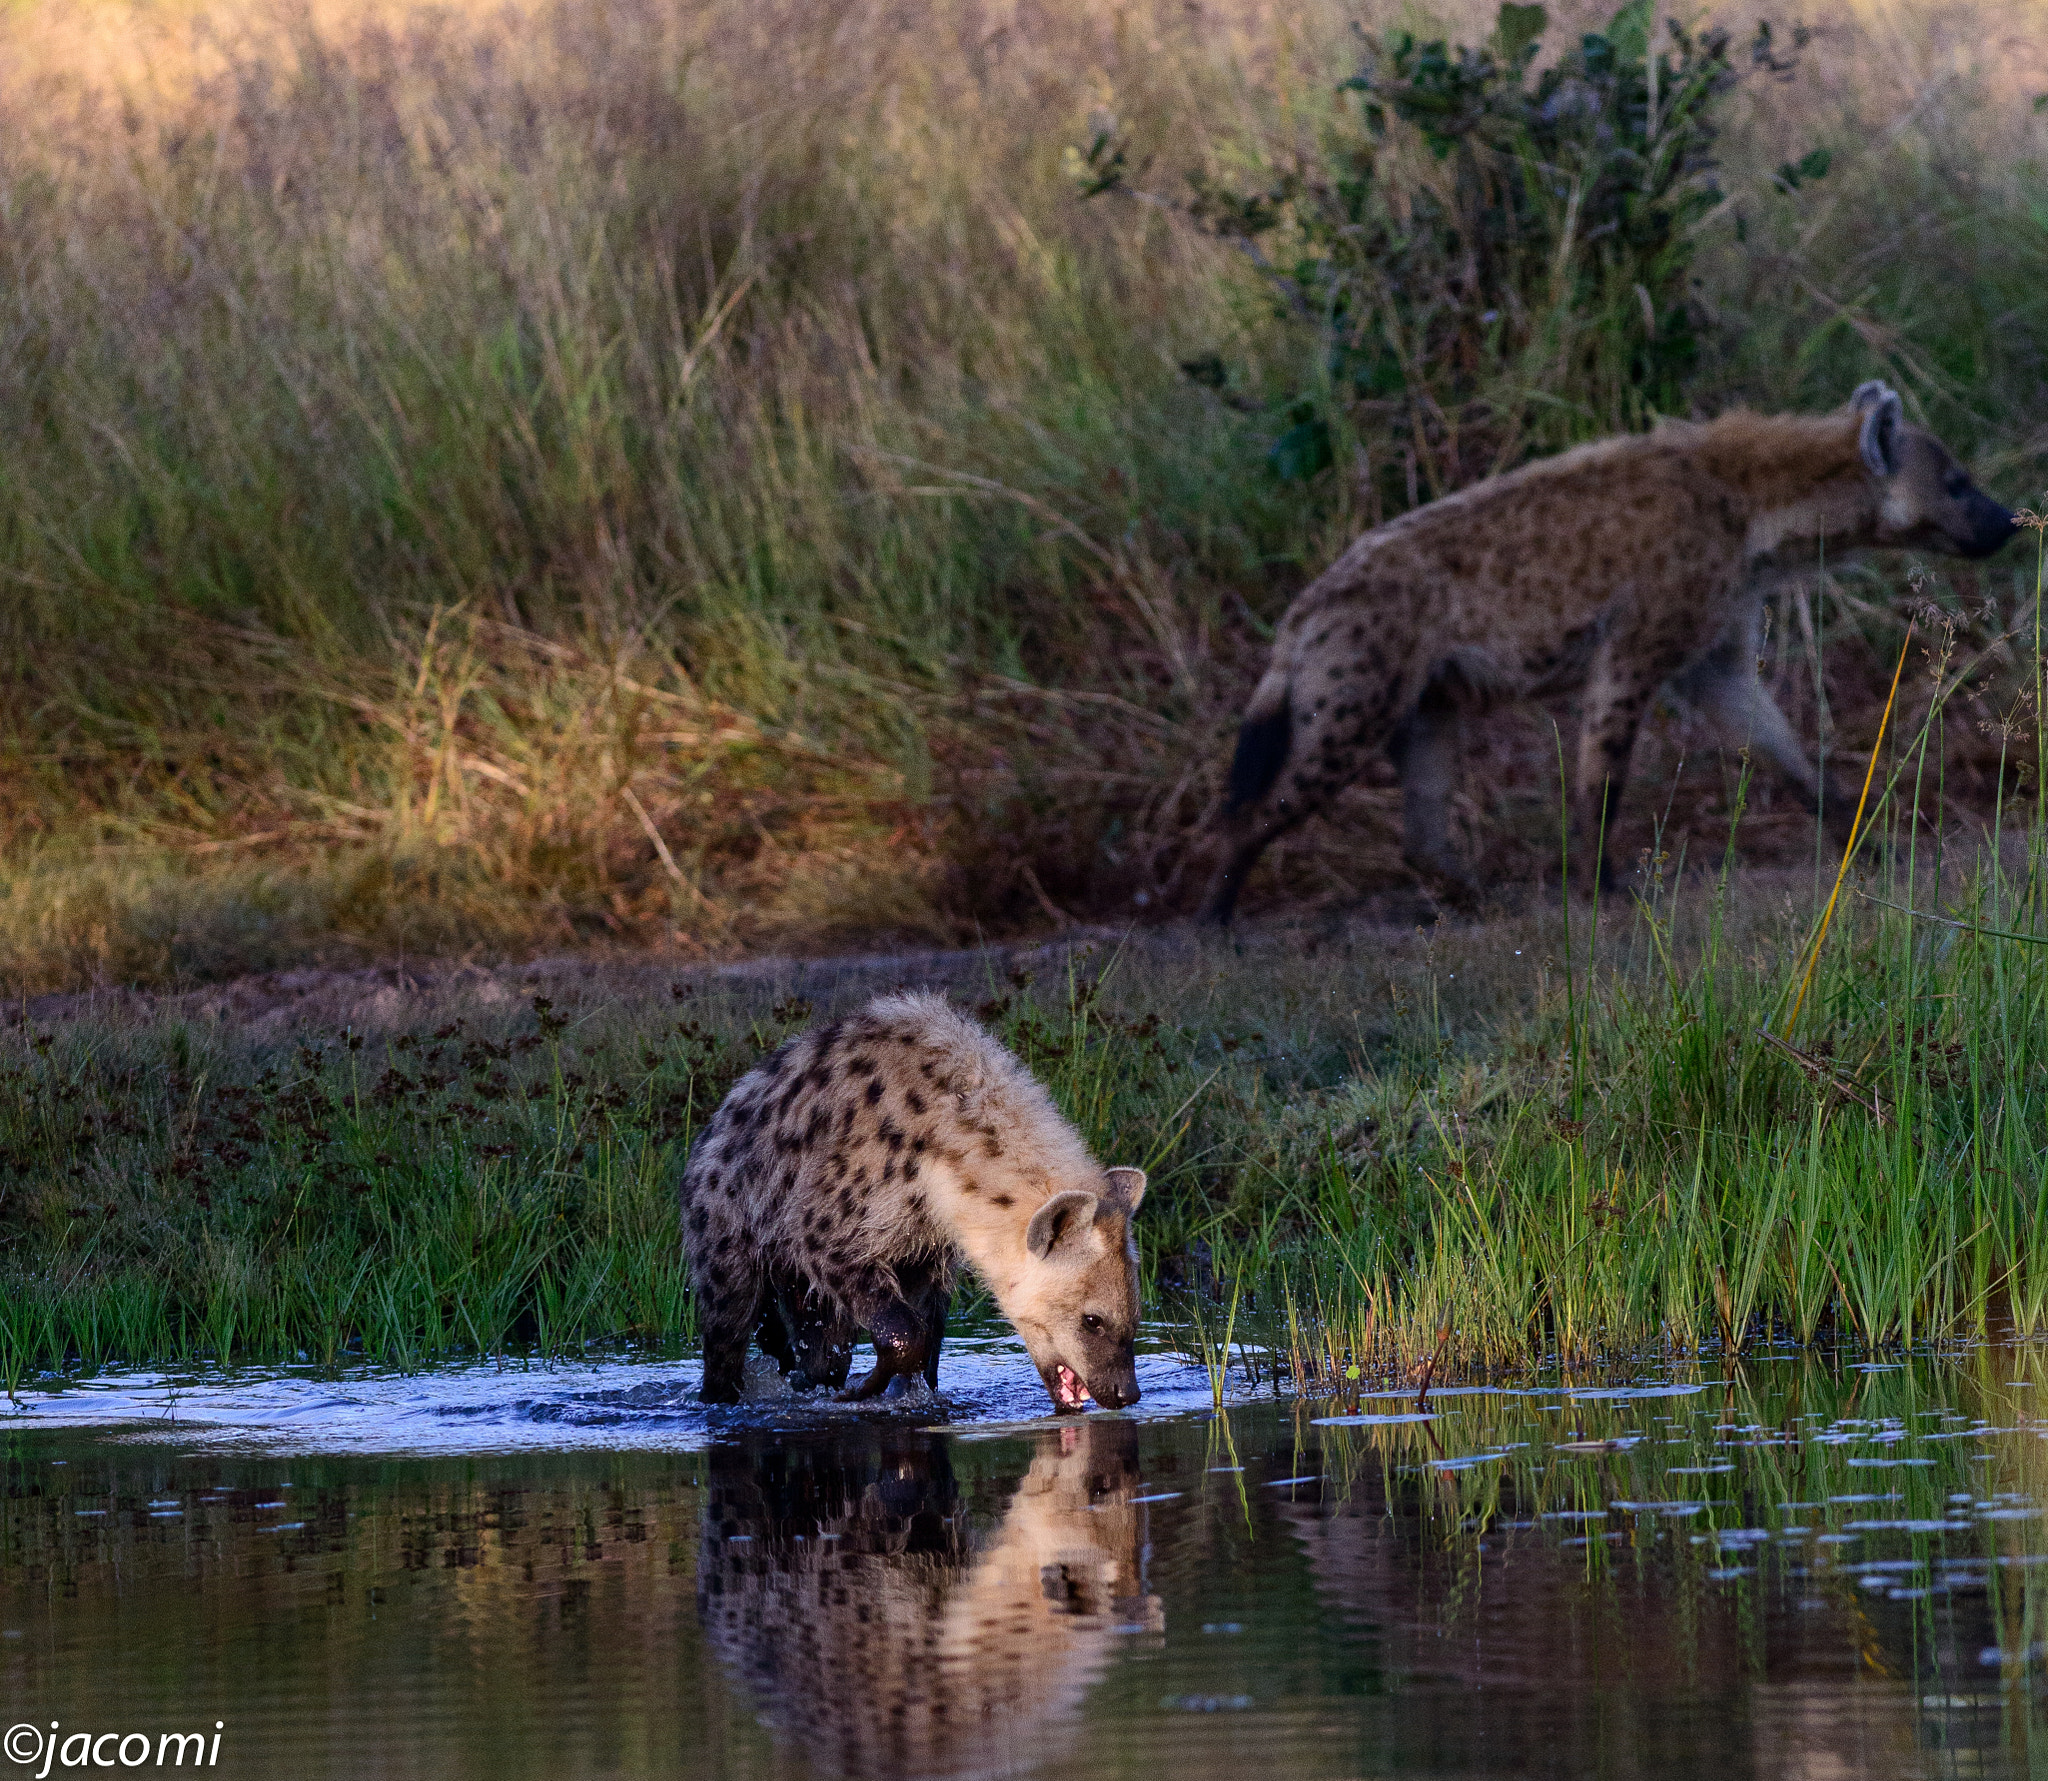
x,y
937,1302
1617,696
907,1320
902,1339
1722,686
1425,751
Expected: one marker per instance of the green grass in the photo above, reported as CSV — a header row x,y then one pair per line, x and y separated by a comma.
x,y
702,480
703,477
1397,1148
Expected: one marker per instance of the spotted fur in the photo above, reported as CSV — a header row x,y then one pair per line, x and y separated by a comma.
x,y
1606,572
845,1179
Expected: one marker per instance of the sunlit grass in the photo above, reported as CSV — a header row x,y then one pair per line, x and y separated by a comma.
x,y
699,475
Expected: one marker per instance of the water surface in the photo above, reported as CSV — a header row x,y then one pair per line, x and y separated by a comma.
x,y
1778,1568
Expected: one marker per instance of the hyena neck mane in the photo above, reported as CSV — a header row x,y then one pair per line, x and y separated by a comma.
x,y
1026,1155
1796,480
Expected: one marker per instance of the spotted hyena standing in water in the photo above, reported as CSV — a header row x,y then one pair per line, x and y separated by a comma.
x,y
1606,571
843,1180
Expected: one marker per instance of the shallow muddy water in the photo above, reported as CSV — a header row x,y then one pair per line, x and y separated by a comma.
x,y
1778,1568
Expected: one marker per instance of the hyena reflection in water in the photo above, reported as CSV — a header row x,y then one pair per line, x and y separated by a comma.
x,y
882,1635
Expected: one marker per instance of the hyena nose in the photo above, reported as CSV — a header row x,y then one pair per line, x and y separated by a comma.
x,y
1992,526
1119,1395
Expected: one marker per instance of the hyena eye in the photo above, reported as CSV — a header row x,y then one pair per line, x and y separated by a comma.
x,y
1091,1323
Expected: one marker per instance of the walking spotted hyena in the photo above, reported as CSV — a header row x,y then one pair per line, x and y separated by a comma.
x,y
1608,571
841,1183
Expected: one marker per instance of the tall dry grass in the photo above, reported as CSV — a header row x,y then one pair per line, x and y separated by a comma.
x,y
696,473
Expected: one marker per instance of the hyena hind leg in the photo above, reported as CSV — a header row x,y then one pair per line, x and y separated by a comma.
x,y
730,1312
802,1333
1425,751
822,1338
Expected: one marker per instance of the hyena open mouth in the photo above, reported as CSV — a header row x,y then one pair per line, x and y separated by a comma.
x,y
1073,1389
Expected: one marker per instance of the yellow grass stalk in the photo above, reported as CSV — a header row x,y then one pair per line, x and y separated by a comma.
x,y
1855,835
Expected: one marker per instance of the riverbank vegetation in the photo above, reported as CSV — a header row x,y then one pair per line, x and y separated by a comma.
x,y
710,477
687,480
1704,1124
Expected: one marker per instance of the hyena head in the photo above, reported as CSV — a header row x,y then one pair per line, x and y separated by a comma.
x,y
1077,1304
1926,500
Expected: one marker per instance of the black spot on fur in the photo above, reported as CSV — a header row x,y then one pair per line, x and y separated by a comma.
x,y
1005,1201
860,1066
913,1100
874,1093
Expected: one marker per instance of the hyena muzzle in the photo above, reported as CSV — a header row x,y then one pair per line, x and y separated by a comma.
x,y
845,1178
1606,572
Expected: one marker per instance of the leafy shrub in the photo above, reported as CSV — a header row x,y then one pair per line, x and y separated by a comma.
x,y
1497,260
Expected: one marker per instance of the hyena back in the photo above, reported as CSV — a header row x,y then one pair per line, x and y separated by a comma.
x,y
845,1178
1606,571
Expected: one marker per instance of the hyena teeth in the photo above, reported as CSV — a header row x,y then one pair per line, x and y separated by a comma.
x,y
844,1180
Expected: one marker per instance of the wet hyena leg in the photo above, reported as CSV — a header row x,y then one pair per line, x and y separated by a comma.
x,y
937,1302
775,1331
729,1301
824,1341
903,1347
1425,752
1722,686
802,1333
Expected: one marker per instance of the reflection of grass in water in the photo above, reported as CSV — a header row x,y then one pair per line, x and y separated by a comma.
x,y
1779,1403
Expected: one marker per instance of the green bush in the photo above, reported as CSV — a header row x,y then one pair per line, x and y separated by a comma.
x,y
1499,261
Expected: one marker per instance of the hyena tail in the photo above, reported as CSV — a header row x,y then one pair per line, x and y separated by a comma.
x,y
1262,743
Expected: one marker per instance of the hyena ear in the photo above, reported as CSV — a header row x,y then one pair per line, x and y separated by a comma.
x,y
1883,414
1126,1190
1060,1222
